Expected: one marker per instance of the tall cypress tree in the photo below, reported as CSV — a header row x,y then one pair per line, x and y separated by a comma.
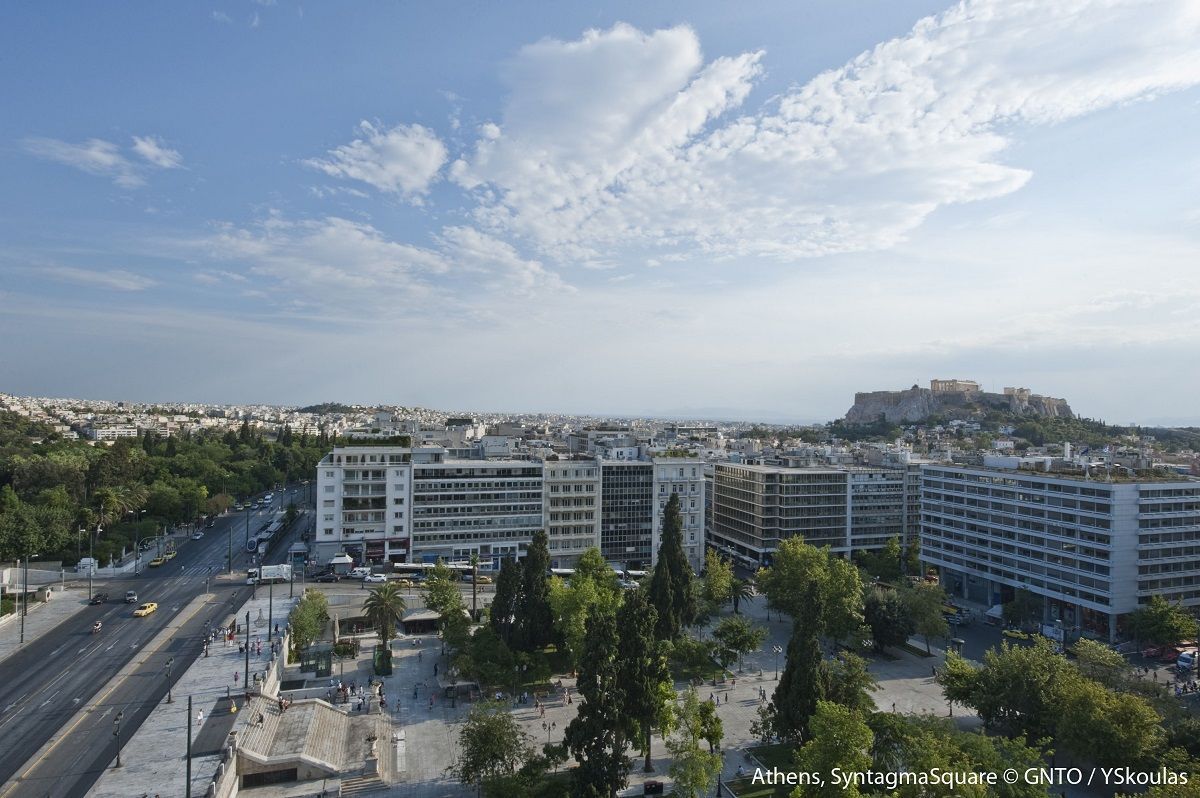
x,y
671,590
595,737
535,619
802,683
506,600
643,671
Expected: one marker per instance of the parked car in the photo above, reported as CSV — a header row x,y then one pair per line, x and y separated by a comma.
x,y
131,597
327,577
374,578
145,609
99,598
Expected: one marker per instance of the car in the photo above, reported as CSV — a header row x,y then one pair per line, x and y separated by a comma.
x,y
359,572
145,609
483,579
157,561
197,535
170,555
211,523
99,598
146,545
131,597
405,581
374,578
330,577
238,507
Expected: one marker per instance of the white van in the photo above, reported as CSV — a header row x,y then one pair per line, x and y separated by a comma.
x,y
1186,662
360,572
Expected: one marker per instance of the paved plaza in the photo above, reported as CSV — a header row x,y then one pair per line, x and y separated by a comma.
x,y
43,616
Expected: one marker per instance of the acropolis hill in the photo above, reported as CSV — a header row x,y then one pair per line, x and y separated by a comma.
x,y
952,399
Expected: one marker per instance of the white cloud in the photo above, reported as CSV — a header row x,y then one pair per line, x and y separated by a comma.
x,y
155,151
94,156
104,158
115,279
402,160
222,17
614,144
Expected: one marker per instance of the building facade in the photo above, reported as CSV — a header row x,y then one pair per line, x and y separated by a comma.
x,y
572,500
1092,549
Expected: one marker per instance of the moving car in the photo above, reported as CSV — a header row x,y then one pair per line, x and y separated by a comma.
x,y
131,597
170,555
406,581
157,561
359,572
374,578
145,609
327,577
99,598
197,535
238,507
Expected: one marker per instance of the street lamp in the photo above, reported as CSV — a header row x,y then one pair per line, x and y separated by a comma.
x,y
778,650
117,734
170,662
25,595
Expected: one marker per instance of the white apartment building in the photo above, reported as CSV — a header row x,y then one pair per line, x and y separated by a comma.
x,y
1092,548
571,495
685,478
111,433
491,508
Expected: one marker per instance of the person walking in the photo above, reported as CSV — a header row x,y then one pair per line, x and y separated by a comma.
x,y
200,718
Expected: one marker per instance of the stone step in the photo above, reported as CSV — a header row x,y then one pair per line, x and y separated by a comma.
x,y
363,785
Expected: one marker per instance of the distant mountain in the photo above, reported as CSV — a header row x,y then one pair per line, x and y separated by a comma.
x,y
328,407
951,399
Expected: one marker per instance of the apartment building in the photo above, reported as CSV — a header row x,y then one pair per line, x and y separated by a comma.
x,y
489,508
1092,549
849,509
571,496
684,478
634,494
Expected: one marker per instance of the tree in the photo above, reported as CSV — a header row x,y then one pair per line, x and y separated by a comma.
x,y
642,671
912,557
692,768
491,744
442,596
741,590
506,599
842,599
1159,621
849,682
840,739
801,685
535,623
735,637
718,580
1099,662
570,601
925,604
596,735
889,621
884,564
671,590
308,618
384,608
1023,609
797,567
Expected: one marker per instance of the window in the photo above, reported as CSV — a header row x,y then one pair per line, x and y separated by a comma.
x,y
328,517
329,473
328,530
329,488
327,503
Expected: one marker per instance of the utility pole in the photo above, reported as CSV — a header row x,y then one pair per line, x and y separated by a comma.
x,y
270,607
188,788
25,598
246,677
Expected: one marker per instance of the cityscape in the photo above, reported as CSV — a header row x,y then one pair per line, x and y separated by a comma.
x,y
780,400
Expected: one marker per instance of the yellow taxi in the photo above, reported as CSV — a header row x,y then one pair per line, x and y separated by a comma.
x,y
145,609
170,555
405,583
157,561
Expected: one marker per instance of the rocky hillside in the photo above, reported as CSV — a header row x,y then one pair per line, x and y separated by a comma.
x,y
917,404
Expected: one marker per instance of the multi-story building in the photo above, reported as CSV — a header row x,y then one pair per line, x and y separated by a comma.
x,y
684,478
491,508
363,502
849,509
571,495
1092,549
627,511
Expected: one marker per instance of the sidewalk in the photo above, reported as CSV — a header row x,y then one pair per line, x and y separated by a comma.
x,y
152,759
42,617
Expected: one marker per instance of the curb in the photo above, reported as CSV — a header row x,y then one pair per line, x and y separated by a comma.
x,y
138,660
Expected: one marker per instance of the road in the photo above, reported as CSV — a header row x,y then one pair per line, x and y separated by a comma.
x,y
44,685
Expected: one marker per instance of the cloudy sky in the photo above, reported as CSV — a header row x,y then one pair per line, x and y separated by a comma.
x,y
704,208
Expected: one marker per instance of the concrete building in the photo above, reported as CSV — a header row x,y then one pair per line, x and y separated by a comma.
x,y
1092,549
849,509
491,508
571,496
685,478
627,512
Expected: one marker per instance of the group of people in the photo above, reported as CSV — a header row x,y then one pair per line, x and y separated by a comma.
x,y
1187,688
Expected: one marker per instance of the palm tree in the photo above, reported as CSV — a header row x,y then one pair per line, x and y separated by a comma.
x,y
384,608
741,591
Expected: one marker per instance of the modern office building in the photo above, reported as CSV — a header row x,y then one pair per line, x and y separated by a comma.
x,y
849,509
571,496
634,494
1093,547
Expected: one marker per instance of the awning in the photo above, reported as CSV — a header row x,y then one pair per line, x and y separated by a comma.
x,y
996,612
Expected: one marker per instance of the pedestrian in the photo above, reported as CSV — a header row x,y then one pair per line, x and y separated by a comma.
x,y
893,707
435,669
710,697
419,653
235,677
431,703
200,718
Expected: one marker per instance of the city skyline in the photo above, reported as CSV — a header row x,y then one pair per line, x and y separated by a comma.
x,y
620,211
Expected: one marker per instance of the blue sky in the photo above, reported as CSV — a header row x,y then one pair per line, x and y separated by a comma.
x,y
673,208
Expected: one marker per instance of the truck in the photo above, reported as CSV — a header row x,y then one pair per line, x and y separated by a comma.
x,y
269,573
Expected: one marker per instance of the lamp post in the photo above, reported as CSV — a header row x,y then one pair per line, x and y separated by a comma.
x,y
25,596
246,677
170,662
117,734
270,607
92,556
778,650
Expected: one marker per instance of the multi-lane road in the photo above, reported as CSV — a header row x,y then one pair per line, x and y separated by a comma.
x,y
43,686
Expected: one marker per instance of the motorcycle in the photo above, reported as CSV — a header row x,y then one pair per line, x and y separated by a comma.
x,y
96,627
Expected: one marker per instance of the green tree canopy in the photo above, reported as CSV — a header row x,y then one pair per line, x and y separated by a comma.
x,y
596,736
491,745
671,589
535,621
1159,621
384,608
